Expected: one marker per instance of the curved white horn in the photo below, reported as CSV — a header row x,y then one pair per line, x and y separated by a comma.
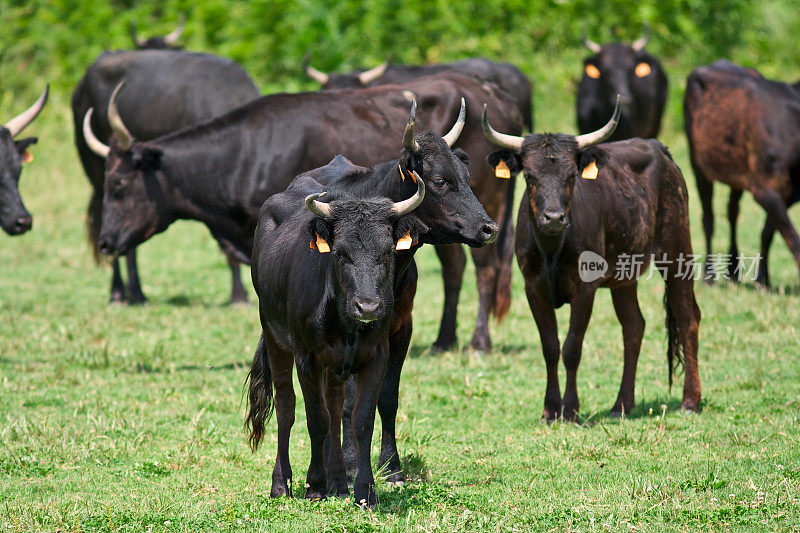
x,y
406,206
641,42
374,73
452,136
93,142
321,209
21,121
591,45
314,74
596,137
173,36
124,137
511,142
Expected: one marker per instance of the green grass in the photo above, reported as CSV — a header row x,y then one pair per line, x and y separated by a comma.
x,y
118,418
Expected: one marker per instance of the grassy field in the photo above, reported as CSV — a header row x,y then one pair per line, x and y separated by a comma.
x,y
118,418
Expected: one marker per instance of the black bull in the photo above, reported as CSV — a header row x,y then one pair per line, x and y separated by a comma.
x,y
625,70
448,185
14,218
263,145
492,263
165,91
632,204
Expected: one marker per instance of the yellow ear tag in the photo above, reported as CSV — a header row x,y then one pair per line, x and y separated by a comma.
x,y
502,170
26,157
642,70
590,172
402,175
592,71
322,245
405,242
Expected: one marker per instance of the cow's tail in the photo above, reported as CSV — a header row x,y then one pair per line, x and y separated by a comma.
x,y
260,395
505,256
674,349
94,214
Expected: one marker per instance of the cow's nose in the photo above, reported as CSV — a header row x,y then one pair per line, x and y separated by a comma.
x,y
23,223
366,307
104,246
558,217
488,231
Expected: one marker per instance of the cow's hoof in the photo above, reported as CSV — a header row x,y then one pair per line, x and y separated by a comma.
x,y
690,406
443,345
137,299
117,298
481,344
279,491
396,479
239,301
366,500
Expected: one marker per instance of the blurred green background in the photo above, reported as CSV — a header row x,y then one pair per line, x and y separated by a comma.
x,y
54,40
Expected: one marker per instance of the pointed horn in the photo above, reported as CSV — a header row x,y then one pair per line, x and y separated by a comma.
x,y
115,121
641,42
409,143
320,209
21,121
173,36
374,73
511,142
134,37
406,206
596,137
591,45
455,131
93,142
314,74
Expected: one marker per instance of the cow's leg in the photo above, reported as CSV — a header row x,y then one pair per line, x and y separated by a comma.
x,y
348,446
318,423
368,385
387,403
580,313
683,324
705,190
767,233
734,271
118,295
485,259
453,261
775,207
545,317
334,460
626,305
134,285
281,364
238,292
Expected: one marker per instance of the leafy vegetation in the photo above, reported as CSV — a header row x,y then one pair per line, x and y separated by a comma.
x,y
130,419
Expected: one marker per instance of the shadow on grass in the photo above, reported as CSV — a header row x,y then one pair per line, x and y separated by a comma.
x,y
641,410
146,368
425,350
183,300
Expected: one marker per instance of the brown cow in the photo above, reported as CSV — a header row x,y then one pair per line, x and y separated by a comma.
x,y
744,131
576,235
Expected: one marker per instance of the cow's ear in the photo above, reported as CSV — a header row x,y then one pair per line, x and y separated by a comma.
x,y
590,161
148,158
22,148
407,232
320,235
462,155
506,164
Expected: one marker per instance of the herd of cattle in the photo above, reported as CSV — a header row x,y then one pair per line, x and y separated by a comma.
x,y
308,189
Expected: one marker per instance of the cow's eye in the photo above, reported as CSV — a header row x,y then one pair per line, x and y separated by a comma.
x,y
592,71
642,69
119,187
439,183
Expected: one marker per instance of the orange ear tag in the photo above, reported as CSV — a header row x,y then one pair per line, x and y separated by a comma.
x,y
590,172
402,175
322,245
502,170
26,157
642,70
312,245
404,243
412,176
592,71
